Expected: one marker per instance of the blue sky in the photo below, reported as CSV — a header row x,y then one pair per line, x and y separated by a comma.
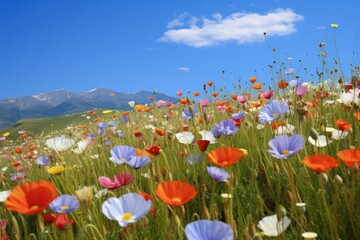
x,y
137,45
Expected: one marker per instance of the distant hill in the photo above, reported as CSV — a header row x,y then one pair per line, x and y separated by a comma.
x,y
61,102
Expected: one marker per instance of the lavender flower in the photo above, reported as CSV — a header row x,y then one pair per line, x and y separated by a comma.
x,y
64,204
218,174
273,111
120,154
283,147
207,229
225,127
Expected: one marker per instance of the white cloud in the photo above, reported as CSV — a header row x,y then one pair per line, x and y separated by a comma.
x,y
320,27
241,28
185,69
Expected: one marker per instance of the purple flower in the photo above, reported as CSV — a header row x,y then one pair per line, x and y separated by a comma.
x,y
283,147
120,154
193,158
273,111
208,229
189,113
128,208
204,102
289,71
267,94
102,125
137,162
242,99
225,127
218,174
43,160
296,82
239,115
64,204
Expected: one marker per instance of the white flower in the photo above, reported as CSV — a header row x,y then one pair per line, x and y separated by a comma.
x,y
350,97
185,137
207,135
81,146
95,156
320,141
260,126
287,129
131,103
101,193
59,144
338,134
4,195
272,227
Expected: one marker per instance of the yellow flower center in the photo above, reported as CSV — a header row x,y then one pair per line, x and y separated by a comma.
x,y
176,200
285,152
122,159
127,216
275,114
64,207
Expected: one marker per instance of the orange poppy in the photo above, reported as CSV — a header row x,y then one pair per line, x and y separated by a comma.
x,y
214,94
350,157
226,156
320,162
140,152
256,86
151,98
210,83
276,124
139,107
184,101
357,116
222,103
343,125
256,104
160,131
147,109
253,79
175,193
125,114
196,94
32,197
233,96
283,84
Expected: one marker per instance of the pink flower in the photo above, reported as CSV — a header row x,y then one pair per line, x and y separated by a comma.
x,y
204,102
242,99
301,90
120,180
267,94
179,93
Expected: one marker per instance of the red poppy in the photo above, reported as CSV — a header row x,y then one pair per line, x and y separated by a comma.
x,y
233,96
31,197
343,125
138,134
322,95
18,149
203,144
62,222
151,98
184,100
210,83
214,94
283,84
357,116
226,156
175,193
320,162
154,150
350,157
49,218
196,94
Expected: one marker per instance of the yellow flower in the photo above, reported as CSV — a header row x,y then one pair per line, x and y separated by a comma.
x,y
6,134
107,111
56,170
334,25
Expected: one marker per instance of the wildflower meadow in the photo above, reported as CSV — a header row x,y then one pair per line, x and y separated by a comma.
x,y
252,161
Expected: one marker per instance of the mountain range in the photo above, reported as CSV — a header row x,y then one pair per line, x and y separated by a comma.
x,y
61,102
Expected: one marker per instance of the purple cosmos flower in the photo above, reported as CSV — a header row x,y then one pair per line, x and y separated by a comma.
x,y
120,154
242,99
218,174
296,82
128,208
283,147
207,229
64,204
120,180
204,102
273,111
137,162
43,160
189,113
225,127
